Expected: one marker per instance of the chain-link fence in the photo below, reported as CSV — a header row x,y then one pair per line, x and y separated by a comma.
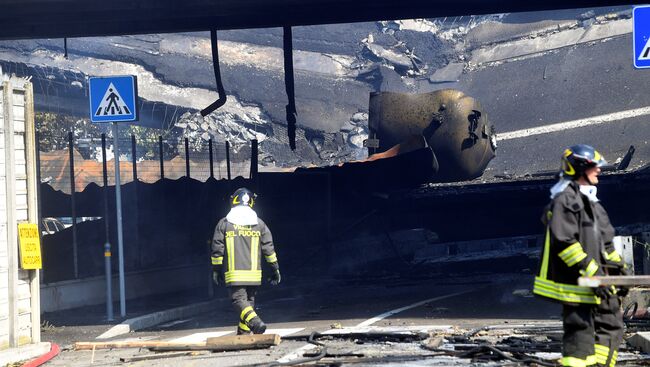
x,y
63,156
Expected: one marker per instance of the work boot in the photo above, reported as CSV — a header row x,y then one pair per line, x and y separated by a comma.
x,y
257,325
241,331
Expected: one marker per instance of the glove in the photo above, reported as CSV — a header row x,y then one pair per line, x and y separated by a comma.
x,y
602,292
622,291
217,276
275,278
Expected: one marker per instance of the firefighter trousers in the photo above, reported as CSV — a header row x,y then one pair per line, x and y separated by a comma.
x,y
243,300
608,320
592,333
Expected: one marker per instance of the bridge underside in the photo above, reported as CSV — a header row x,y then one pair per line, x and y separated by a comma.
x,y
82,18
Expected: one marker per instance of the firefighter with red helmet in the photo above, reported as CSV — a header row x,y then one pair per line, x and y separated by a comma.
x,y
579,242
239,242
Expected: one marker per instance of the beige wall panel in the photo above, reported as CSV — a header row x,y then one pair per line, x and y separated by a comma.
x,y
25,306
21,215
19,147
19,97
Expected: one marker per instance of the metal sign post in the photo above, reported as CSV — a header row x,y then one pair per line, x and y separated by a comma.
x,y
113,99
118,209
107,245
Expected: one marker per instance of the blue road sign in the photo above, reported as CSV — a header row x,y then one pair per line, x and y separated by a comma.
x,y
641,32
113,98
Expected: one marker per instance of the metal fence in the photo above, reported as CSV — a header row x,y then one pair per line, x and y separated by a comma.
x,y
145,159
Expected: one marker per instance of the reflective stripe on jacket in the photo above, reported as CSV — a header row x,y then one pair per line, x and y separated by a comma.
x,y
577,234
240,248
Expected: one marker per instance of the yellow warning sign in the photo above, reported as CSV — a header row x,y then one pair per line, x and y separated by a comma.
x,y
30,246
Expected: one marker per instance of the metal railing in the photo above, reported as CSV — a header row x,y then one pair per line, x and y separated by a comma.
x,y
147,160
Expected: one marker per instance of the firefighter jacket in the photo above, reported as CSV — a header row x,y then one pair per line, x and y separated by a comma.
x,y
242,247
578,242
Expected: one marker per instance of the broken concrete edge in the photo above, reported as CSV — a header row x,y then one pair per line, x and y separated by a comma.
x,y
152,319
23,353
641,341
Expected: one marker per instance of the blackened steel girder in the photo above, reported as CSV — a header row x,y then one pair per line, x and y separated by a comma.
x,y
217,75
288,82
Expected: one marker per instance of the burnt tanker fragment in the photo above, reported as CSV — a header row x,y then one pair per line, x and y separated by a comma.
x,y
453,124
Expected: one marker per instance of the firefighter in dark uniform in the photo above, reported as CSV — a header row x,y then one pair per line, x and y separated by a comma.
x,y
578,242
240,239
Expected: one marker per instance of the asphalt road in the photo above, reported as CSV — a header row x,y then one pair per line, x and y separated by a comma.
x,y
300,307
572,83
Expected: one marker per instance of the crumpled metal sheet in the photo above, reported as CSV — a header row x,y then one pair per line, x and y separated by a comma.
x,y
455,126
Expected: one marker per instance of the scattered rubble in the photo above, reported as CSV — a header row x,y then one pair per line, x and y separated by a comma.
x,y
238,127
539,344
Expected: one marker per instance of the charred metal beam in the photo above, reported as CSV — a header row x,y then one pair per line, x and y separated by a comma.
x,y
625,162
289,85
217,75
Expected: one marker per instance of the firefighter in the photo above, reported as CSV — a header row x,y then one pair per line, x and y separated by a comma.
x,y
578,242
240,239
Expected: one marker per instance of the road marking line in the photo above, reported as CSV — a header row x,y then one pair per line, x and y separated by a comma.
x,y
595,120
298,353
284,332
398,310
139,339
200,337
153,319
116,330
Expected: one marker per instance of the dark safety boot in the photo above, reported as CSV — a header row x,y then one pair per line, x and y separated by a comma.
x,y
243,329
257,326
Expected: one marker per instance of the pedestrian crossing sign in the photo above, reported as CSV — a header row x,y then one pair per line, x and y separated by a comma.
x,y
113,99
641,36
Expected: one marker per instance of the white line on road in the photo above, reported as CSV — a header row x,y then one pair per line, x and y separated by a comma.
x,y
414,305
284,332
298,353
202,337
560,126
139,339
